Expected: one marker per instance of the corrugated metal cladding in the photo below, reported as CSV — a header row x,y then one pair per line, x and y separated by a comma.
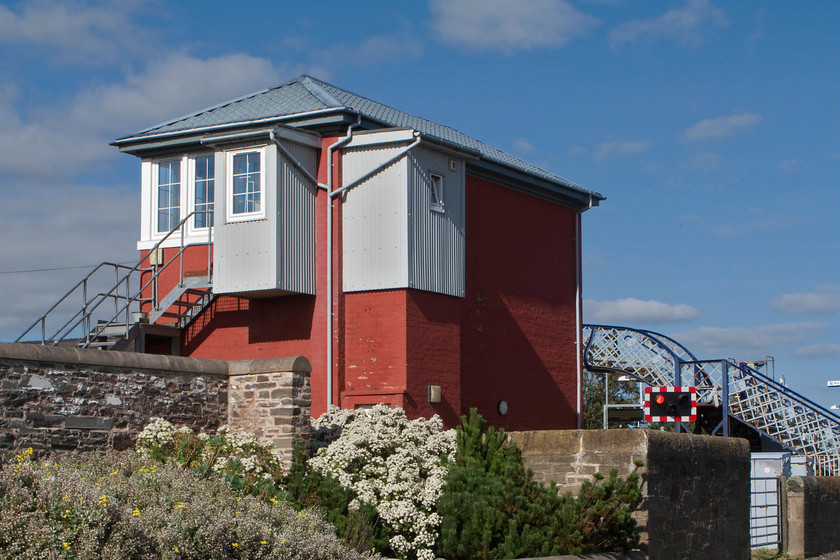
x,y
392,238
274,255
374,220
296,220
436,239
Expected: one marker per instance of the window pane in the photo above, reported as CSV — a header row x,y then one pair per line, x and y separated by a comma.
x,y
204,185
169,195
240,164
246,183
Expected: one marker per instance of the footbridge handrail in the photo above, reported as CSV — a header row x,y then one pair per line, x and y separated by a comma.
x,y
745,394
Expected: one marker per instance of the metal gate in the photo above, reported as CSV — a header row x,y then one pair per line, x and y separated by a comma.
x,y
765,512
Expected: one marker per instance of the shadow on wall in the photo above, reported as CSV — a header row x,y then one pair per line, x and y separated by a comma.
x,y
276,319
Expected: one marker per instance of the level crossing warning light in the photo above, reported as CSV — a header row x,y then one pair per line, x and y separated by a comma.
x,y
670,404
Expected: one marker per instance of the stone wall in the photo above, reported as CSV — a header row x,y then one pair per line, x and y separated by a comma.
x,y
67,399
271,398
813,515
696,489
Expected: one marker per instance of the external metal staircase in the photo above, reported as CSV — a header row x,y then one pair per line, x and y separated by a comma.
x,y
116,305
732,389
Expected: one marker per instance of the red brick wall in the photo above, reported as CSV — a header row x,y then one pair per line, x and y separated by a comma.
x,y
512,337
434,354
375,347
236,329
518,328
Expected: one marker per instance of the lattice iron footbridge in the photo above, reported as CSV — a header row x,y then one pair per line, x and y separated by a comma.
x,y
730,394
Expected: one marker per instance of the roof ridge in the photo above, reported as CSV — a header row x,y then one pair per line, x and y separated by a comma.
x,y
239,99
313,86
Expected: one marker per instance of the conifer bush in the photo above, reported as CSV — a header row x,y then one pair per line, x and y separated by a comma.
x,y
491,507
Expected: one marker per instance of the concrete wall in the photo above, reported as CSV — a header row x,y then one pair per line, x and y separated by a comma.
x,y
696,490
69,399
813,515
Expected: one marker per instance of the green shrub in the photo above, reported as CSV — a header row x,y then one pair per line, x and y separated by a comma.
x,y
491,506
250,466
131,507
360,528
392,463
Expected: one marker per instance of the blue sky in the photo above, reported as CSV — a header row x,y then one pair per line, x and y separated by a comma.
x,y
713,129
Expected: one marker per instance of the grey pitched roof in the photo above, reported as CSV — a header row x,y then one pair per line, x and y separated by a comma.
x,y
307,95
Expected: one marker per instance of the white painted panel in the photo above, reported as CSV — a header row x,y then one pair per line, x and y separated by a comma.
x,y
375,220
436,239
245,252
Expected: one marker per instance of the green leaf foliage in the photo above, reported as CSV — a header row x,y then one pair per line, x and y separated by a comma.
x,y
492,507
307,488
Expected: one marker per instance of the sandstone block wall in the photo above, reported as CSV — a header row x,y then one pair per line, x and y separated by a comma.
x,y
271,398
813,515
696,490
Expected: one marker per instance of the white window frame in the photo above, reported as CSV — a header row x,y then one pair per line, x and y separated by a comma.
x,y
193,178
230,216
436,190
149,233
156,234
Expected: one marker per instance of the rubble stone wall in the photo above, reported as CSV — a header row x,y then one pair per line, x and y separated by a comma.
x,y
61,399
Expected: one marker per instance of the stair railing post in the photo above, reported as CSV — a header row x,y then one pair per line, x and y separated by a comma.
x,y
677,376
181,258
155,300
86,315
117,293
725,383
128,302
209,249
44,329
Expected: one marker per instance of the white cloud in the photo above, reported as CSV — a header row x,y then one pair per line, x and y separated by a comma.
x,y
76,133
753,220
825,300
80,31
707,161
372,51
67,226
613,149
722,127
501,25
743,343
576,151
687,24
632,310
818,351
522,145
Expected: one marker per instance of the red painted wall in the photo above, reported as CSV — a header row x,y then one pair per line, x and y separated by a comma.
x,y
512,337
235,329
518,327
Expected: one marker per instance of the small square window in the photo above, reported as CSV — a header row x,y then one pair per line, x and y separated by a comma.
x,y
246,185
436,192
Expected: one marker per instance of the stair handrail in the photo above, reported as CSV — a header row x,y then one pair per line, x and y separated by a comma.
x,y
797,432
664,342
156,271
83,282
89,306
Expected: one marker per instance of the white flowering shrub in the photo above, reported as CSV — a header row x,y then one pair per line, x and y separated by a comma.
x,y
249,464
395,464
